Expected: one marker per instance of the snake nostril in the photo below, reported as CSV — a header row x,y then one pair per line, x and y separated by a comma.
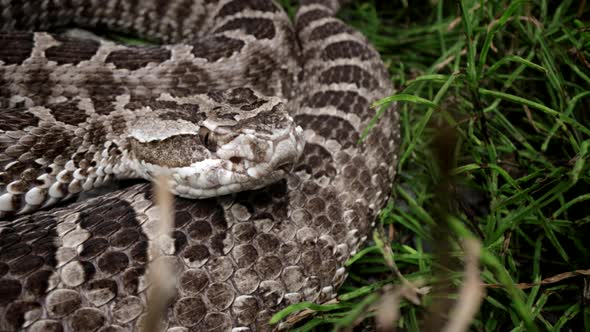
x,y
236,160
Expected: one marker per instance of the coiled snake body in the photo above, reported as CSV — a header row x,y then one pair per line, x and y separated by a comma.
x,y
257,123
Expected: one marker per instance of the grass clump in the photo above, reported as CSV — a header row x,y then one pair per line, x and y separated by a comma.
x,y
496,140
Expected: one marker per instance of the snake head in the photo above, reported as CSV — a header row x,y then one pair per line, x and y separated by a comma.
x,y
215,144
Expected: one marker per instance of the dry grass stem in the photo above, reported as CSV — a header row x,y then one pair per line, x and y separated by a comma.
x,y
448,60
529,117
390,262
303,314
388,311
529,19
471,294
457,20
160,272
388,306
547,281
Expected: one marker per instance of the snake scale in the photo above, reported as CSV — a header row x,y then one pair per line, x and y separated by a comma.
x,y
256,120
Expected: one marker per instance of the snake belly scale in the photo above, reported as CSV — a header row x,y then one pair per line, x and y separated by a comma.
x,y
256,120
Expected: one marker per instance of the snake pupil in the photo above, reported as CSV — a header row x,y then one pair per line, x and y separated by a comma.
x,y
206,139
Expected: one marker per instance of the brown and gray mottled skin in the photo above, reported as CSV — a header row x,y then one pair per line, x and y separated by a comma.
x,y
239,258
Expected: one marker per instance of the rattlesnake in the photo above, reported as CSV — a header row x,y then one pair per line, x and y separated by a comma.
x,y
258,118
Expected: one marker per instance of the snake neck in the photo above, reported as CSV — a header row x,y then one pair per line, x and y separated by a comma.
x,y
50,162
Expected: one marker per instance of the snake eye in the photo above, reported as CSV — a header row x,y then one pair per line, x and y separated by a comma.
x,y
207,139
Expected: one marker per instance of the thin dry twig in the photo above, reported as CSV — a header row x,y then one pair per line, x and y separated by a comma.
x,y
551,280
303,314
529,117
448,60
529,19
160,273
457,20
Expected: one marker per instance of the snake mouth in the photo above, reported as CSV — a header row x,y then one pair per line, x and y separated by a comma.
x,y
227,179
248,162
247,183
